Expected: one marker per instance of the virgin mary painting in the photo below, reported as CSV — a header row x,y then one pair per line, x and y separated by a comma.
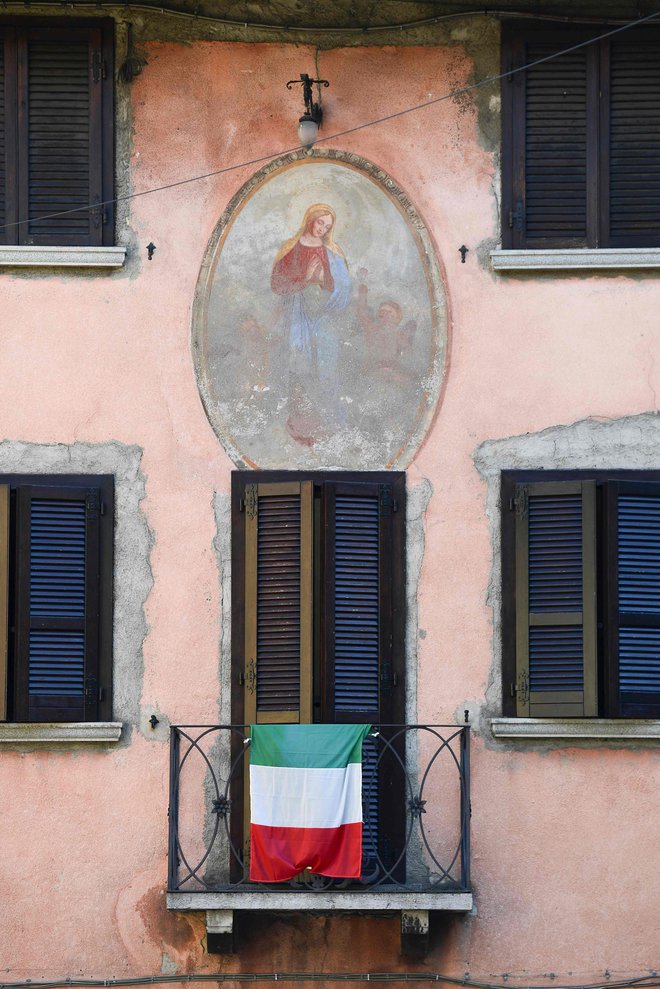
x,y
310,274
319,328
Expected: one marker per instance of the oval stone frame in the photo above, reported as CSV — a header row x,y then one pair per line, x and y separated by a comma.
x,y
374,416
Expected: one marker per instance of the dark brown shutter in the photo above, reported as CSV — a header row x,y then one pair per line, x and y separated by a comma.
x,y
3,143
363,620
549,130
4,597
60,121
634,142
278,602
556,599
57,604
633,599
358,601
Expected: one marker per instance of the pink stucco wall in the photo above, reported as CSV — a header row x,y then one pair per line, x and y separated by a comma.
x,y
565,858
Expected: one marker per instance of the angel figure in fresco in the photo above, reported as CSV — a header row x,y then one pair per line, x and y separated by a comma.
x,y
388,339
311,276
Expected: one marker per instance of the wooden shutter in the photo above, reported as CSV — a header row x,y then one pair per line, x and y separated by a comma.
x,y
363,620
633,599
60,135
549,142
3,143
57,604
278,602
632,147
556,599
4,597
359,602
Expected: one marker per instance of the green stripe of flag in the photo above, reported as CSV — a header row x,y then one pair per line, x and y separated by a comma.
x,y
307,746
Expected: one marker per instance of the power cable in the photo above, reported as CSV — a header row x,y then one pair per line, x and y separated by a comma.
x,y
366,29
462,91
639,982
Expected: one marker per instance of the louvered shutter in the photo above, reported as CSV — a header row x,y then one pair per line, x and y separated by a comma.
x,y
4,597
278,602
548,129
556,599
633,607
634,142
57,604
362,619
3,143
359,601
60,135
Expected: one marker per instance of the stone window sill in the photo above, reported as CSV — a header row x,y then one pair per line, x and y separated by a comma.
x,y
248,898
61,257
571,729
576,259
21,733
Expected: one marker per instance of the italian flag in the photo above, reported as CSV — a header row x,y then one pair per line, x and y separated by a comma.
x,y
306,800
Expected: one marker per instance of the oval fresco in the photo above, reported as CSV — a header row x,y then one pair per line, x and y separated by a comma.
x,y
320,321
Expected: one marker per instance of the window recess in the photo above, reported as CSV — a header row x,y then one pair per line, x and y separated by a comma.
x,y
56,599
581,139
581,583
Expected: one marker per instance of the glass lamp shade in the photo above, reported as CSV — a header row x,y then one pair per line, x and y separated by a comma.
x,y
308,131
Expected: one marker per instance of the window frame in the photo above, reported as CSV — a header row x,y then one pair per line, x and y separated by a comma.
x,y
239,480
392,707
16,690
606,481
14,33
515,36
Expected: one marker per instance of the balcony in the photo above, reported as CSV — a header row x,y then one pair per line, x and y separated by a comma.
x,y
416,831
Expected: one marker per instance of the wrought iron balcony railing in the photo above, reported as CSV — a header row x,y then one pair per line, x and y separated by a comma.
x,y
416,810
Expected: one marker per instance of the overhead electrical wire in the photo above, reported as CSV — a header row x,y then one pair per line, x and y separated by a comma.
x,y
461,91
211,19
638,982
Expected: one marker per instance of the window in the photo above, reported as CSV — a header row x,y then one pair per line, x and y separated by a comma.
x,y
56,598
318,609
581,139
56,127
581,594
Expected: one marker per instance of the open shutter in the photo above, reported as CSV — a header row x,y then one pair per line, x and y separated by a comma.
x,y
633,600
634,142
556,599
57,604
4,597
60,135
278,602
364,604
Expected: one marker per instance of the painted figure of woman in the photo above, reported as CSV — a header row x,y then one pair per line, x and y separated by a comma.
x,y
310,275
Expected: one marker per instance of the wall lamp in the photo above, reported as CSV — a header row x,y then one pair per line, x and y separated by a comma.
x,y
308,125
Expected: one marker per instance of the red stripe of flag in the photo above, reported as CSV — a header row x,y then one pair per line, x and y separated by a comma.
x,y
277,854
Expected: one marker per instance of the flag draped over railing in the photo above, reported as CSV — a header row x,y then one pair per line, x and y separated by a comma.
x,y
305,800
